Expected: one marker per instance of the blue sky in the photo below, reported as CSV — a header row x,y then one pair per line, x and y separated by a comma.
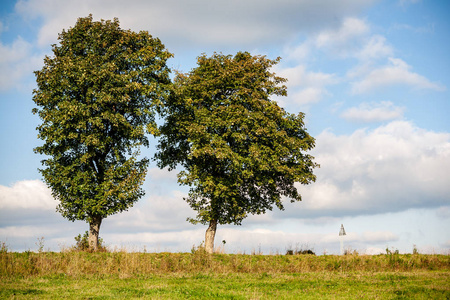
x,y
373,78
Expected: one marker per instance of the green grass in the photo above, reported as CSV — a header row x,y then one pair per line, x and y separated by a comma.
x,y
121,275
315,285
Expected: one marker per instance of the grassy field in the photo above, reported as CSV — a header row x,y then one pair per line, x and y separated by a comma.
x,y
105,275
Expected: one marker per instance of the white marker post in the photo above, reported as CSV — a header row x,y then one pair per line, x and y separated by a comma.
x,y
341,234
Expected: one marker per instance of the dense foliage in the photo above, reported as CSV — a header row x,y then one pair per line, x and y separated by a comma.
x,y
97,97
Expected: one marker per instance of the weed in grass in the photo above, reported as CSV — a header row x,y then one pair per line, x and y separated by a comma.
x,y
3,248
40,243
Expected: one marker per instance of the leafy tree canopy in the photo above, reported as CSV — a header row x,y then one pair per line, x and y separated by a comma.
x,y
97,97
239,150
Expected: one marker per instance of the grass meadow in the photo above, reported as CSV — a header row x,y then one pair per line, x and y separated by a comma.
x,y
119,274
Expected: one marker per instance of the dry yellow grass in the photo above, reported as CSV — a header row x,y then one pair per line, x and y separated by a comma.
x,y
124,264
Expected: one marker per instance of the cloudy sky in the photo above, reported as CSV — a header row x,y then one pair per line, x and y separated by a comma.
x,y
373,78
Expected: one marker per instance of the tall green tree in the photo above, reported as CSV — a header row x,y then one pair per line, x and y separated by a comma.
x,y
240,152
97,97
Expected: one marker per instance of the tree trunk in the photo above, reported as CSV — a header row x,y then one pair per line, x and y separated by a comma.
x,y
209,236
94,229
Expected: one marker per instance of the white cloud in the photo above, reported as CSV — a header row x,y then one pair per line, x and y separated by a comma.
x,y
307,96
397,72
298,53
375,47
199,21
299,76
158,224
155,213
367,237
392,168
30,231
305,87
344,41
373,112
351,28
162,174
16,62
378,237
443,212
182,240
425,29
353,39
29,194
15,52
446,245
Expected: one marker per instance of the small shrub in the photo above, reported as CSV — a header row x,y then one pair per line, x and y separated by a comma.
x,y
306,251
199,248
391,252
350,251
82,243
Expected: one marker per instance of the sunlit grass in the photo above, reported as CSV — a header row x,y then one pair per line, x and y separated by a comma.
x,y
198,275
312,285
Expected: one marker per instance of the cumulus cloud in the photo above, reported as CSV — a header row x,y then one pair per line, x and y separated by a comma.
x,y
373,112
299,76
305,86
16,62
307,95
343,39
397,72
155,213
392,168
29,194
353,38
376,66
375,47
